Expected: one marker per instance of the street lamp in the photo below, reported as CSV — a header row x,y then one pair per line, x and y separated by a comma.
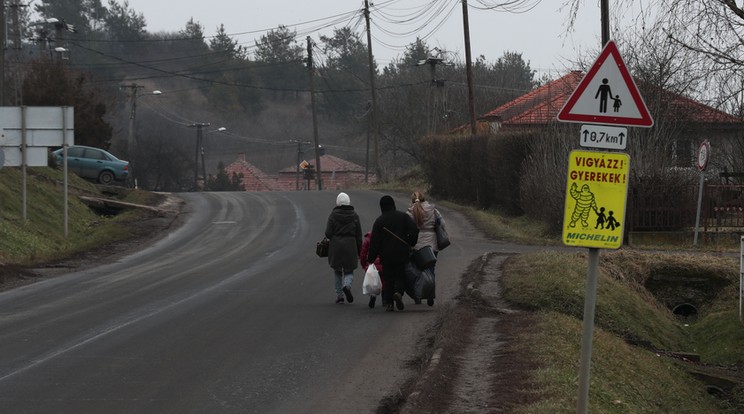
x,y
131,142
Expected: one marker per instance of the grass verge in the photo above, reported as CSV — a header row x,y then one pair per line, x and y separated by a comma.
x,y
626,378
40,237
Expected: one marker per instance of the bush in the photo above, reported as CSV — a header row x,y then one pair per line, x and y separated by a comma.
x,y
480,170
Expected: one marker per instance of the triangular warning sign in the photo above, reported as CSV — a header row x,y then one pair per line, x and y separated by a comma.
x,y
607,95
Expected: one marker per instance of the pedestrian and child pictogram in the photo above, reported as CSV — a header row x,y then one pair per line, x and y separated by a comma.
x,y
596,193
607,95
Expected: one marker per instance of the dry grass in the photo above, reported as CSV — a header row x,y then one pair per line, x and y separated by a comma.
x,y
624,377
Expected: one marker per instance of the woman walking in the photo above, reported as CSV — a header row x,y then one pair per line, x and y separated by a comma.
x,y
426,216
345,234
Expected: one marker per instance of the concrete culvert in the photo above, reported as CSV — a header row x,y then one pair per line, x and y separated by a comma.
x,y
685,309
715,391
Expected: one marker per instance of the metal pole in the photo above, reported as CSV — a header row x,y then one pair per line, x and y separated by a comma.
x,y
204,167
699,206
297,177
24,159
590,296
196,158
64,168
590,300
741,279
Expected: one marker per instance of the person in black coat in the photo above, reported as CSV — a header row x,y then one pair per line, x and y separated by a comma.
x,y
344,231
393,235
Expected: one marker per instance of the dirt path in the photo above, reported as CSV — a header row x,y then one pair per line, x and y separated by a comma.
x,y
473,366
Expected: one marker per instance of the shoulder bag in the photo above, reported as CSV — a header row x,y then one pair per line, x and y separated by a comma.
x,y
442,237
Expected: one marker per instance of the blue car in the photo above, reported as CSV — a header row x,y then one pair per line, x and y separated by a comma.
x,y
94,164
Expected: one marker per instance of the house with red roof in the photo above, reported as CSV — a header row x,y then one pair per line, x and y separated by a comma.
x,y
336,174
692,121
253,179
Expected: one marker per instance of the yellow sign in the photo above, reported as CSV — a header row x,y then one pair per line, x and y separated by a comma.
x,y
596,194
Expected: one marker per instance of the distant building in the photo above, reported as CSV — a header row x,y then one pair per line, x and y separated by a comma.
x,y
539,108
336,174
253,178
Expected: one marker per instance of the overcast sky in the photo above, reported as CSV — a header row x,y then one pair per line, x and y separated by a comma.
x,y
537,29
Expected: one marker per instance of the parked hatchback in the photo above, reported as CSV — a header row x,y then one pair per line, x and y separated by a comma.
x,y
94,164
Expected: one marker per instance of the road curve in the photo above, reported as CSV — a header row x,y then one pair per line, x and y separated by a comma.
x,y
230,313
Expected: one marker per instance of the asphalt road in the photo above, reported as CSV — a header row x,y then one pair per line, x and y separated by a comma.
x,y
230,313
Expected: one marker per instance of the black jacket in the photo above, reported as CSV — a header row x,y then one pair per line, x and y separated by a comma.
x,y
390,249
345,233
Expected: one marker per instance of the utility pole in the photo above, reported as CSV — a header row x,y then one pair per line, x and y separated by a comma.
x,y
131,143
433,113
373,110
132,115
469,67
2,52
311,70
199,126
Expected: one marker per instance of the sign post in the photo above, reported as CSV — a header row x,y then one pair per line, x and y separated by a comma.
x,y
607,95
597,187
28,132
702,164
596,194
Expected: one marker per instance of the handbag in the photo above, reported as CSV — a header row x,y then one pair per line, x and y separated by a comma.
x,y
424,258
321,247
442,237
372,284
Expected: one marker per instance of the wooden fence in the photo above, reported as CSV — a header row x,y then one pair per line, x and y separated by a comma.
x,y
674,208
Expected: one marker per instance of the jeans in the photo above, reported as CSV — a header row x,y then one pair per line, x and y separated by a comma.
x,y
342,280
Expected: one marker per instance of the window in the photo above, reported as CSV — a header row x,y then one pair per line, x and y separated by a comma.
x,y
75,152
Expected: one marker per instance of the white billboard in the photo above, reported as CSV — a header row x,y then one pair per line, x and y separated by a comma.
x,y
43,127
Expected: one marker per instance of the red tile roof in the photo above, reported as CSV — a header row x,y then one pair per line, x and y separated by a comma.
x,y
253,178
337,173
541,106
330,163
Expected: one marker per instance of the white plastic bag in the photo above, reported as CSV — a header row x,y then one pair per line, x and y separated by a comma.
x,y
372,284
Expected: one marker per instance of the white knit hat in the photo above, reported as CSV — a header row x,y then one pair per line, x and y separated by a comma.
x,y
343,199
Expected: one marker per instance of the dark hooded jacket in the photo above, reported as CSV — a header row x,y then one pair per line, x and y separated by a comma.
x,y
391,249
345,233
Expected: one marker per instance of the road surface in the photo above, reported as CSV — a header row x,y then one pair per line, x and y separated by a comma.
x,y
232,312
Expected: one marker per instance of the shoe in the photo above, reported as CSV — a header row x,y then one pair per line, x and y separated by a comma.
x,y
417,301
340,300
372,300
398,301
347,292
390,308
430,302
